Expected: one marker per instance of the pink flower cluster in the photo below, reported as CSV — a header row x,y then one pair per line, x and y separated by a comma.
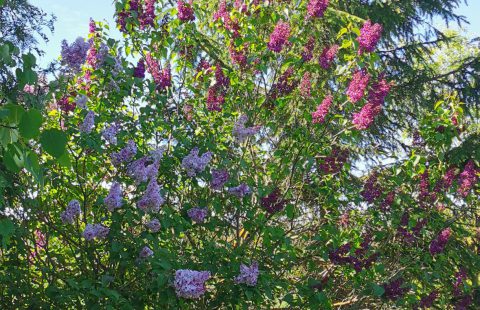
x,y
72,211
240,132
316,8
363,119
467,179
370,34
95,231
358,85
195,164
185,11
197,214
279,37
328,56
190,284
162,77
306,86
114,198
319,115
228,23
216,93
248,275
438,244
152,199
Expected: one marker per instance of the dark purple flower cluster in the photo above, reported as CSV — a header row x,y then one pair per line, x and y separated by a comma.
x,y
197,214
316,8
358,85
190,284
438,244
371,189
428,300
359,260
185,11
93,231
279,37
238,56
319,115
334,162
460,276
306,86
219,178
147,16
139,70
424,186
216,93
273,202
388,201
370,34
248,275
464,302
74,55
124,155
402,229
240,191
228,23
328,56
394,290
447,180
467,179
72,211
307,53
66,104
114,198
152,199
285,85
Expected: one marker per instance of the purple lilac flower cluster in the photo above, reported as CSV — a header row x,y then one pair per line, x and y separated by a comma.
x,y
162,77
185,11
238,56
81,101
440,242
240,191
248,275
195,164
394,290
190,284
279,37
316,8
376,98
285,85
358,260
74,55
197,214
145,252
240,132
371,189
307,53
370,34
153,225
467,179
306,86
125,154
152,199
428,300
460,277
143,169
110,133
387,201
328,56
72,212
139,70
229,24
319,115
464,302
334,162
447,180
66,105
88,123
358,85
95,231
273,202
219,178
216,93
114,198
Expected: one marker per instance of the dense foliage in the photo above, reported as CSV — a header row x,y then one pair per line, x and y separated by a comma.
x,y
245,155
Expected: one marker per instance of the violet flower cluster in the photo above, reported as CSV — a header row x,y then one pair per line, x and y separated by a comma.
x,y
72,211
124,155
114,198
143,169
319,115
328,56
219,178
81,101
371,189
153,225
190,284
74,55
152,199
197,214
110,133
139,70
185,11
316,8
95,231
248,275
428,300
240,132
467,179
88,123
145,252
195,164
273,202
358,85
438,244
307,53
240,191
279,37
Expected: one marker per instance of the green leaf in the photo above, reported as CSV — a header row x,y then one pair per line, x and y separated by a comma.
x,y
378,290
29,60
8,135
29,126
54,142
7,229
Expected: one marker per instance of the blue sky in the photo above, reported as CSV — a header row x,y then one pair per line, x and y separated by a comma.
x,y
73,16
